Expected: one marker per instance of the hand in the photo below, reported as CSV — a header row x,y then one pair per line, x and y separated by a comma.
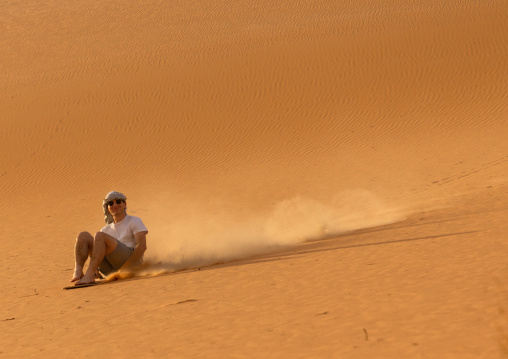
x,y
121,274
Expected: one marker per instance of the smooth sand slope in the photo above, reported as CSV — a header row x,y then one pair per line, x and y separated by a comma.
x,y
344,162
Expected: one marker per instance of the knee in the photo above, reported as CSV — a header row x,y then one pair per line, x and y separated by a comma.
x,y
83,236
99,236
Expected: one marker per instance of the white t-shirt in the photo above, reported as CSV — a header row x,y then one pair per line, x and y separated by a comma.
x,y
125,230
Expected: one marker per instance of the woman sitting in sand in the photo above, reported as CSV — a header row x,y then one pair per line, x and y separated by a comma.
x,y
119,245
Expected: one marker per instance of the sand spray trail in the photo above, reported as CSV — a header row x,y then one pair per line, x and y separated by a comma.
x,y
192,235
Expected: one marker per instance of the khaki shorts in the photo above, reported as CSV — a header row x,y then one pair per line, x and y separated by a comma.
x,y
113,261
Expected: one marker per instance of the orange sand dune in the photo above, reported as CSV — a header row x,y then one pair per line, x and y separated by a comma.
x,y
345,163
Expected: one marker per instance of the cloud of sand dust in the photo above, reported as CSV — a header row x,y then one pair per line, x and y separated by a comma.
x,y
189,236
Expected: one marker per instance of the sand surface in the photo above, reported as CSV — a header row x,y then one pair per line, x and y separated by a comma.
x,y
319,179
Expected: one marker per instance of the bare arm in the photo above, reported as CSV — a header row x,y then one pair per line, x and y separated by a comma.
x,y
140,248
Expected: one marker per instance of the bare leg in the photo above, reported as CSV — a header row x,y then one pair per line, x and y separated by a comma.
x,y
103,244
82,249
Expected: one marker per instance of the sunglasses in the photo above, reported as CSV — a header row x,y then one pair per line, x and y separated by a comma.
x,y
118,201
